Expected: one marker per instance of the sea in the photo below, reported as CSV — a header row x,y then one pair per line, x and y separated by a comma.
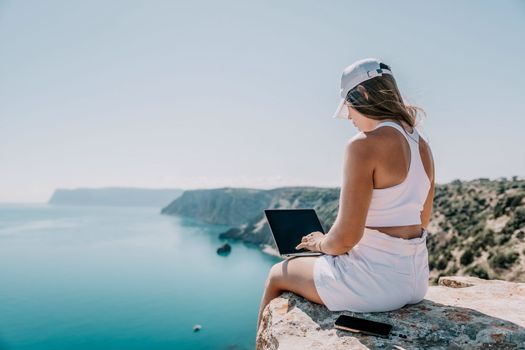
x,y
92,277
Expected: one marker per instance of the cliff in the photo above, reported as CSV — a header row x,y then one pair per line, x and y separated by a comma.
x,y
221,206
243,208
459,313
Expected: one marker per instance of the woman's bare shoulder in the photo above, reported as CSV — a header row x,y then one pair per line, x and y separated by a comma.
x,y
361,144
368,140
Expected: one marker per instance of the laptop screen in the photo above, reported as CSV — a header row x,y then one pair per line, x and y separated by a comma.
x,y
288,226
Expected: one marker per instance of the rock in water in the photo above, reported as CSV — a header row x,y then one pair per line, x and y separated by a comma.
x,y
224,249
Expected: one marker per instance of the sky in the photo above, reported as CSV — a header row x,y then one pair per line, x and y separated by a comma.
x,y
207,94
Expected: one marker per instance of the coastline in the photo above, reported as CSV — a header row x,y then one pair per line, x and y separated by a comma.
x,y
267,249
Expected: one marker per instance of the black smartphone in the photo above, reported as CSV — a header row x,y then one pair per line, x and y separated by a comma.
x,y
361,325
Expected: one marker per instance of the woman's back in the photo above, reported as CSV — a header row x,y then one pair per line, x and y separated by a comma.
x,y
403,180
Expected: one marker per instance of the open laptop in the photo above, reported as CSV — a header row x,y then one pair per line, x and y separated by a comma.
x,y
288,226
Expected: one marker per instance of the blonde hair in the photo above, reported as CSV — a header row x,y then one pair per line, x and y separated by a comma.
x,y
384,101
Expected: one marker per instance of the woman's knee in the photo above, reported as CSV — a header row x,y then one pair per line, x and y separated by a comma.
x,y
275,276
285,274
295,276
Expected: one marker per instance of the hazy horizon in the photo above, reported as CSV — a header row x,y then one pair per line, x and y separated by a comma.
x,y
180,95
216,187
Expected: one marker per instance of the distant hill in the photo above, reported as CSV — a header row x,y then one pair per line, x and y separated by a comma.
x,y
221,206
115,196
477,227
243,208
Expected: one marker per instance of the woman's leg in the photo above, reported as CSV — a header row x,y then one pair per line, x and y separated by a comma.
x,y
293,274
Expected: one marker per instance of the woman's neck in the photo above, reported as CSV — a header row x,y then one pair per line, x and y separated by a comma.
x,y
398,121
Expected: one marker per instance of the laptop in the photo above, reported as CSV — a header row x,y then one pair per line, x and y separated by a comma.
x,y
288,226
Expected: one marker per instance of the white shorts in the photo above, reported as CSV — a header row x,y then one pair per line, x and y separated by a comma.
x,y
380,273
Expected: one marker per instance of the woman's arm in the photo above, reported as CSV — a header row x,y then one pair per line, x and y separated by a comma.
x,y
426,213
354,199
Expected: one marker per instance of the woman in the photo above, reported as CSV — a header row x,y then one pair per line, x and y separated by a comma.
x,y
375,255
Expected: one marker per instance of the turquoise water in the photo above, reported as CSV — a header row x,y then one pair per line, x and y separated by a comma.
x,y
123,278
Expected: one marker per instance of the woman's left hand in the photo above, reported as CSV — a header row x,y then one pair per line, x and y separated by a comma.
x,y
311,241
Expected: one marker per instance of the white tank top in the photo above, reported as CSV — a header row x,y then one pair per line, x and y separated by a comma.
x,y
401,204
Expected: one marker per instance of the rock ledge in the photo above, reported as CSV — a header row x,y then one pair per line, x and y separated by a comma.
x,y
459,313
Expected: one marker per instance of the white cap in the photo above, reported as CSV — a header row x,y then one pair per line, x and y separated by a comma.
x,y
355,74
